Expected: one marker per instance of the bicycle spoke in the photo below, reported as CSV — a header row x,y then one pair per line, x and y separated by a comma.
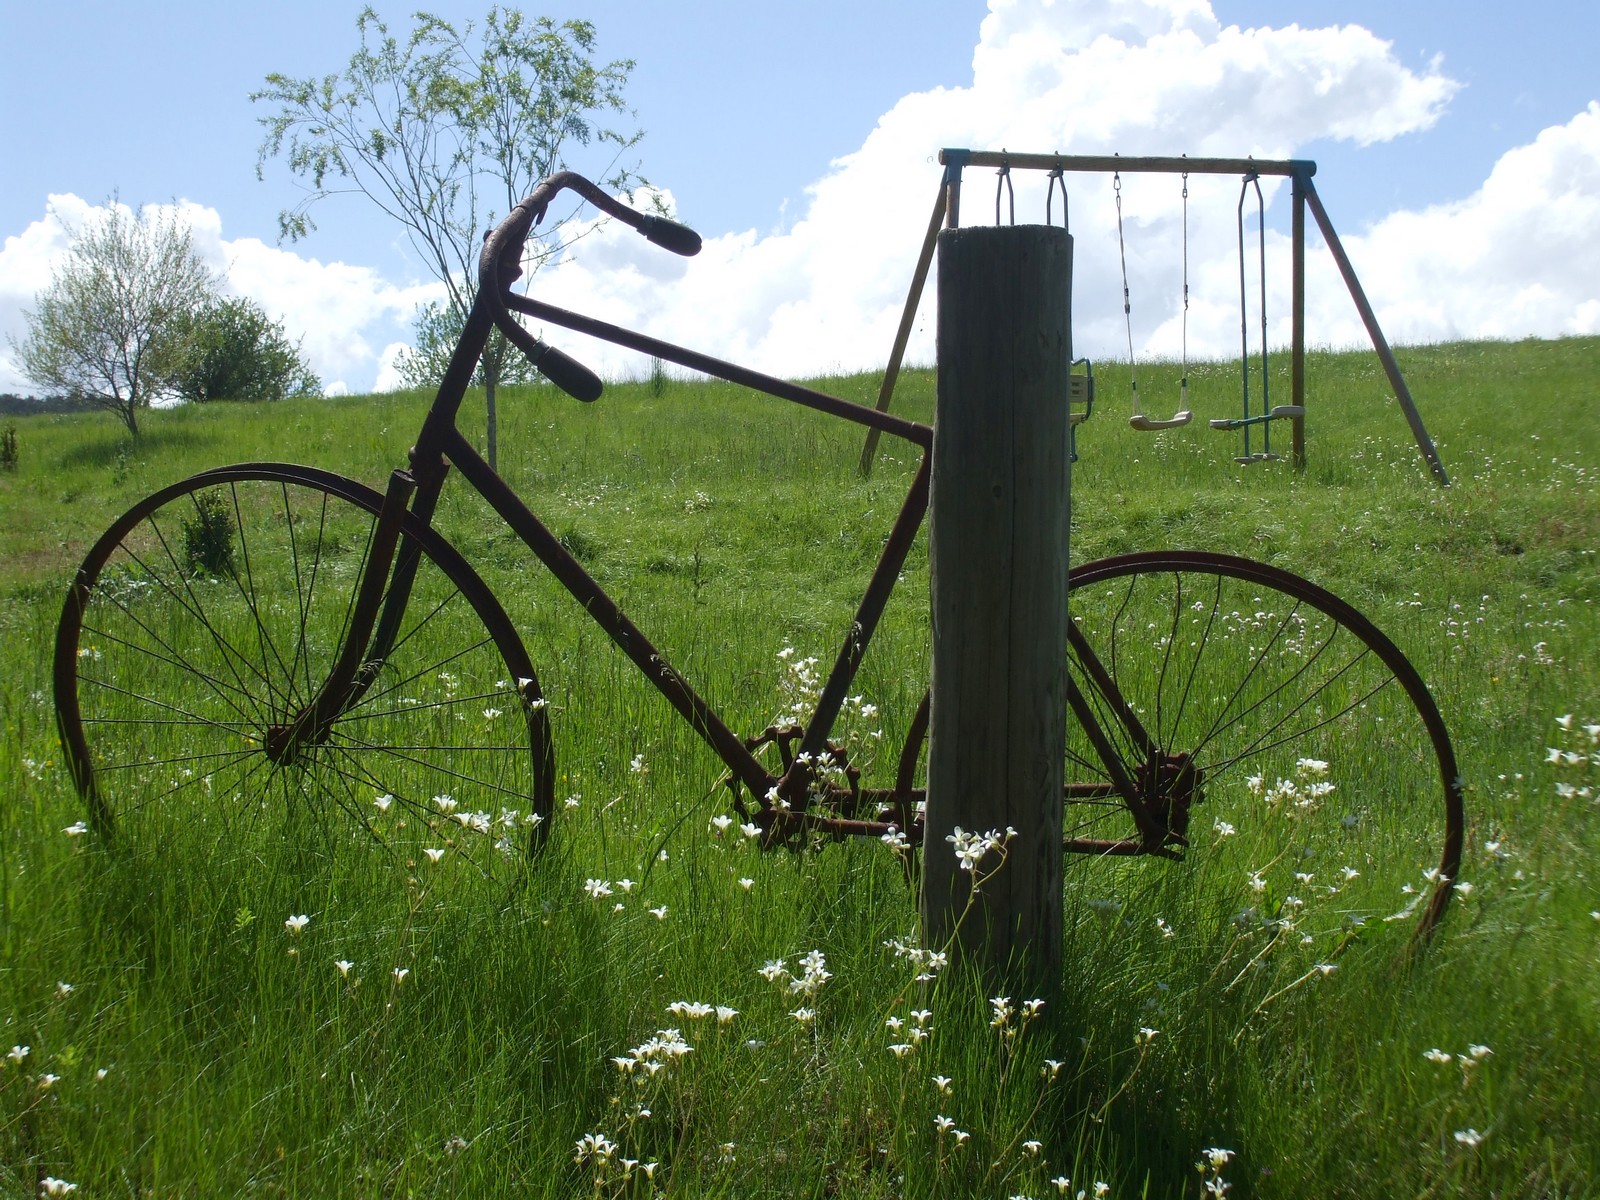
x,y
232,657
190,726
1238,665
272,658
253,765
367,713
223,691
176,658
432,765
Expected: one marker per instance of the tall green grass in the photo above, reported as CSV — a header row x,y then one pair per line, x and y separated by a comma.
x,y
238,1058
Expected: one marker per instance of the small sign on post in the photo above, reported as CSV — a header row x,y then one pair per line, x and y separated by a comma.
x,y
999,499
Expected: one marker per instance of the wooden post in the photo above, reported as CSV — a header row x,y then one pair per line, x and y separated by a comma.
x,y
998,558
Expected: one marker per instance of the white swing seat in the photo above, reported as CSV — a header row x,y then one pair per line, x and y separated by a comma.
x,y
1151,424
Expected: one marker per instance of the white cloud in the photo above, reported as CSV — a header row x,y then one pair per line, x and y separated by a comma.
x,y
1136,77
343,315
1090,76
824,291
25,262
1517,258
389,367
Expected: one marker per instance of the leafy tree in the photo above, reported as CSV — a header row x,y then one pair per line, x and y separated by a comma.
x,y
445,130
231,350
99,330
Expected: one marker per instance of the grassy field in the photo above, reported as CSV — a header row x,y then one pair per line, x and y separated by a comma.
x,y
455,1027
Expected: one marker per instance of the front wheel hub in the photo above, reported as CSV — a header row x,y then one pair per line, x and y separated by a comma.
x,y
280,743
1169,785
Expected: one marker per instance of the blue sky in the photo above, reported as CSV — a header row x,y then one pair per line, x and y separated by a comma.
x,y
747,109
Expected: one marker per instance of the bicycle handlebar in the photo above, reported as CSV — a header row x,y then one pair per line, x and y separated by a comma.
x,y
500,264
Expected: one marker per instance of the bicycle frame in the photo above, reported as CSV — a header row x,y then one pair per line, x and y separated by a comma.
x,y
781,802
177,668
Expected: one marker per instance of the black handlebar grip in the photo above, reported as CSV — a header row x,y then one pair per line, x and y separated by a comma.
x,y
570,375
669,235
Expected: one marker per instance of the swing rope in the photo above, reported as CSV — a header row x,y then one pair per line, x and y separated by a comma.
x,y
1138,420
1127,307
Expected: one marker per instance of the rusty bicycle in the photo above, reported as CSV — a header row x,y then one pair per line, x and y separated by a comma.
x,y
266,636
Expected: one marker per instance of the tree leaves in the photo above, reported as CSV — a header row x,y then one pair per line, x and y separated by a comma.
x,y
446,130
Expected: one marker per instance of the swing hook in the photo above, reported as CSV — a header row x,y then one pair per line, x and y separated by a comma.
x,y
1057,178
1003,187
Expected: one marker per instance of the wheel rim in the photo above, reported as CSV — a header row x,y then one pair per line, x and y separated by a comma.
x,y
204,621
1251,678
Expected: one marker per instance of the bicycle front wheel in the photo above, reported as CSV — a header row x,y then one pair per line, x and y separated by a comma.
x,y
1277,739
201,626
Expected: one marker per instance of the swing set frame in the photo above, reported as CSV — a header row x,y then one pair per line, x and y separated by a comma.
x,y
947,215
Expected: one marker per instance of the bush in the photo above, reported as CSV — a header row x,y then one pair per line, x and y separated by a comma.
x,y
208,535
231,350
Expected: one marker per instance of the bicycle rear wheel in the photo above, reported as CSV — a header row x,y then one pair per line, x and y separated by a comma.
x,y
1289,751
204,621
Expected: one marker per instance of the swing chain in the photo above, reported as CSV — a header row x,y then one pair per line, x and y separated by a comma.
x,y
1122,253
1127,306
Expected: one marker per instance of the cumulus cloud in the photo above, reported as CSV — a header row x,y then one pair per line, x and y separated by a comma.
x,y
337,311
1134,77
1515,259
824,292
1093,76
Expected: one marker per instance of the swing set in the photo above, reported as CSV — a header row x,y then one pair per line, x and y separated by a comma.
x,y
1258,414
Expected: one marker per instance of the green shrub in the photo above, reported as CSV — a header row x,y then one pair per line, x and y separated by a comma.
x,y
208,536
